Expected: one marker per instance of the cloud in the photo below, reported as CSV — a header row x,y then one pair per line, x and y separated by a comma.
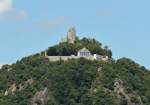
x,y
13,16
5,6
8,12
55,22
44,25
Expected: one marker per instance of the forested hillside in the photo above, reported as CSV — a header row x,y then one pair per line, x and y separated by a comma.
x,y
34,80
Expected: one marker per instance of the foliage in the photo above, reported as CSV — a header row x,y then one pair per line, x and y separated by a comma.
x,y
76,81
66,49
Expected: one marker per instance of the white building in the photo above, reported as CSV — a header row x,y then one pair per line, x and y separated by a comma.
x,y
105,58
100,57
97,57
1,66
84,53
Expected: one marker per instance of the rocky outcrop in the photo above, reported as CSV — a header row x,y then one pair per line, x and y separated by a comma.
x,y
11,89
119,89
29,81
41,97
14,87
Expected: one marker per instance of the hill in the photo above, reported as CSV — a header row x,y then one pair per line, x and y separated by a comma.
x,y
67,49
34,80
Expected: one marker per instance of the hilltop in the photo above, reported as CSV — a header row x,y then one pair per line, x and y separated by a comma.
x,y
35,80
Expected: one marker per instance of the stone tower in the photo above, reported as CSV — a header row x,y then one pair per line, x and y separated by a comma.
x,y
71,35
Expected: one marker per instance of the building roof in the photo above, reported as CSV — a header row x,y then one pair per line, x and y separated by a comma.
x,y
84,50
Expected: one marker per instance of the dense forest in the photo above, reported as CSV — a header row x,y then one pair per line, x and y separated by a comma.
x,y
34,80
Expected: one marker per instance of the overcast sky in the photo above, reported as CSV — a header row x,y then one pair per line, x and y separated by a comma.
x,y
29,26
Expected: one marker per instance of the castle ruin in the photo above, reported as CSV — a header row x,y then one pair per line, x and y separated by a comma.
x,y
71,36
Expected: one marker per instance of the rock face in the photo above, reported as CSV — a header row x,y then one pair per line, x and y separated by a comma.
x,y
12,89
40,97
120,91
71,35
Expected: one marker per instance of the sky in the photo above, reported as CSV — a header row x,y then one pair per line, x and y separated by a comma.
x,y
30,26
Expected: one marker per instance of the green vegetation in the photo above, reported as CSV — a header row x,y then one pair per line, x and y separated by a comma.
x,y
76,81
67,49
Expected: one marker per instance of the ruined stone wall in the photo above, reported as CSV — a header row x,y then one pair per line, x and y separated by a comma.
x,y
57,58
71,35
